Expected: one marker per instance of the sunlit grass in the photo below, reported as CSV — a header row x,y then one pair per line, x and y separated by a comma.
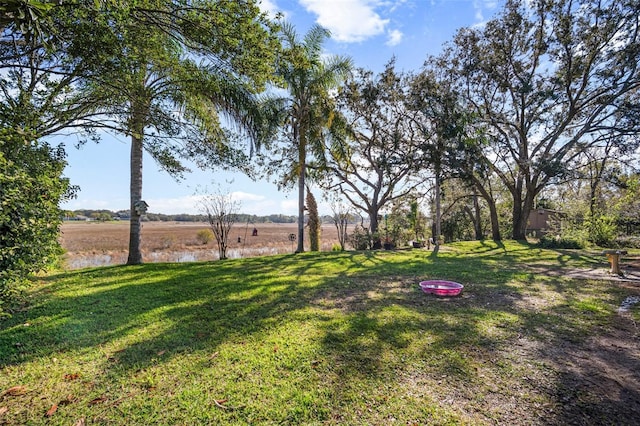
x,y
329,338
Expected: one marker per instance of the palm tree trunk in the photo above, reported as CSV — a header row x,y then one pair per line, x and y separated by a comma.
x,y
135,191
302,159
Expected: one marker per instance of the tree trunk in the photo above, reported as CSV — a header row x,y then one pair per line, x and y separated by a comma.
x,y
593,192
477,219
495,222
474,215
300,248
438,222
302,159
493,211
374,226
519,226
135,193
596,171
521,210
222,244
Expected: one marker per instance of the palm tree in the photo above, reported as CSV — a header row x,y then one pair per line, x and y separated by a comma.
x,y
173,82
309,79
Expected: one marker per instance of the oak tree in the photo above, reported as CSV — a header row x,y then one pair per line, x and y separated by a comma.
x,y
546,79
375,160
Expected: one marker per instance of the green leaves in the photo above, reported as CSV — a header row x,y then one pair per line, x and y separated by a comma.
x,y
31,187
309,109
547,84
29,17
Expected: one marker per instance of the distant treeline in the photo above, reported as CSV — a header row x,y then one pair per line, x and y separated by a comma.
x,y
106,215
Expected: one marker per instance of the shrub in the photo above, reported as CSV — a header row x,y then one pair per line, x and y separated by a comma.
x,y
628,241
562,242
31,188
360,239
313,222
204,236
336,247
602,230
167,241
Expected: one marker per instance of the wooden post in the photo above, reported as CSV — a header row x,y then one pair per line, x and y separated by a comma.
x,y
614,260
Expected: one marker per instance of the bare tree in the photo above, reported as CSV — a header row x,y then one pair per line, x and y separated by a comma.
x,y
341,215
221,211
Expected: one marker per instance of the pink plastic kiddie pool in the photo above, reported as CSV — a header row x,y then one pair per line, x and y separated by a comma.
x,y
441,288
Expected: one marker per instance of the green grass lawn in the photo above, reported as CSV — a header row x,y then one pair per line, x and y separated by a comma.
x,y
328,338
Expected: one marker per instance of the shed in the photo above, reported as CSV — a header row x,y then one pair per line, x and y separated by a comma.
x,y
542,221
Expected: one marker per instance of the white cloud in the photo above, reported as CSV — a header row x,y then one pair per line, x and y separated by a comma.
x,y
395,37
394,5
187,204
269,7
348,20
479,16
249,203
246,196
480,6
274,11
288,207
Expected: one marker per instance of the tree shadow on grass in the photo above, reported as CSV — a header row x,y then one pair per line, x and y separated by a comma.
x,y
462,327
374,326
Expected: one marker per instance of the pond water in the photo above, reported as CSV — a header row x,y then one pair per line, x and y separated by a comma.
x,y
628,303
92,260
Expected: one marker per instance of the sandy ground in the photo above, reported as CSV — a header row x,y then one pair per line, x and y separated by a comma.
x,y
100,244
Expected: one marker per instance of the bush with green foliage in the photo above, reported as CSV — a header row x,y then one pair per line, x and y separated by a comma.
x,y
360,238
571,234
204,236
561,242
628,241
457,227
31,189
313,222
602,230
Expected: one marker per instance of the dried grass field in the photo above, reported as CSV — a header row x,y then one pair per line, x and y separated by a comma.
x,y
105,243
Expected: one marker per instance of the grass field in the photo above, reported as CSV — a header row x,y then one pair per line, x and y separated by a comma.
x,y
106,243
327,339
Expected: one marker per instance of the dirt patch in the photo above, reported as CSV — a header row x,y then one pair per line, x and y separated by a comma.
x,y
598,380
595,381
630,271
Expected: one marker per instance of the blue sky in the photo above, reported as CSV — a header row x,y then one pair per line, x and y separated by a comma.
x,y
371,32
